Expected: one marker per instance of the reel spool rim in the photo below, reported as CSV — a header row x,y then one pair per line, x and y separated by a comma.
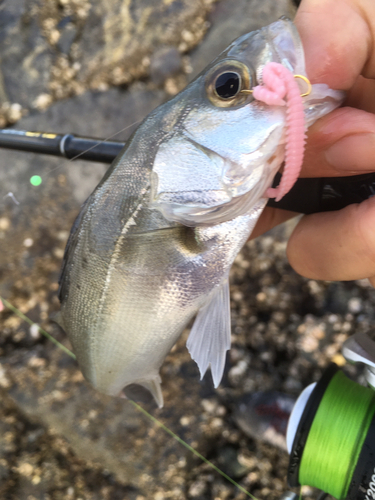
x,y
296,415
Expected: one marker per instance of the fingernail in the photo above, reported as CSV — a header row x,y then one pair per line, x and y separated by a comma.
x,y
353,152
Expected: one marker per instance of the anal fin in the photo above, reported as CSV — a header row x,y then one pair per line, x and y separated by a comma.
x,y
209,339
153,385
136,391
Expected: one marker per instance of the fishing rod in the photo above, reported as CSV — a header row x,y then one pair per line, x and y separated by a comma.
x,y
331,431
307,196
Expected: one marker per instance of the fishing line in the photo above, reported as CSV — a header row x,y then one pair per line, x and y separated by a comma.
x,y
42,331
36,180
99,142
181,441
12,197
136,405
333,446
346,405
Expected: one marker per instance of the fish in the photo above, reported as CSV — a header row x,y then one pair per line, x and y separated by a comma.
x,y
153,244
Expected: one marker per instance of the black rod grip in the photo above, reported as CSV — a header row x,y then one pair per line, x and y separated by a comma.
x,y
325,194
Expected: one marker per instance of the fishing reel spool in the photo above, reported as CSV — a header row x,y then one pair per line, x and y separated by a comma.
x,y
331,431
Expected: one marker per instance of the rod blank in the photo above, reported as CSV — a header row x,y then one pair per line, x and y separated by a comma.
x,y
64,145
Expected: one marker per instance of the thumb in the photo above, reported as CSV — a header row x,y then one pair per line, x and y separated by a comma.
x,y
335,246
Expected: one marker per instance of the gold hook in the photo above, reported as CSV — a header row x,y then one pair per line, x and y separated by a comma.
x,y
302,77
307,81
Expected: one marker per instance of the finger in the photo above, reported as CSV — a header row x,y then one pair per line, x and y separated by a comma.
x,y
337,245
269,218
339,144
362,95
338,39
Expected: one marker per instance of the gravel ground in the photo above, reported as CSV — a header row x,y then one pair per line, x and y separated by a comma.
x,y
59,440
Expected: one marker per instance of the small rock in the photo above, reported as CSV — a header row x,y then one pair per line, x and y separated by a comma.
x,y
339,359
4,223
63,235
42,101
4,381
67,37
172,86
165,63
228,460
197,489
15,112
28,242
209,406
185,421
34,331
238,371
58,253
25,469
355,305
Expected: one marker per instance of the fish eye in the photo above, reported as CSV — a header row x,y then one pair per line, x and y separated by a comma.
x,y
227,85
225,81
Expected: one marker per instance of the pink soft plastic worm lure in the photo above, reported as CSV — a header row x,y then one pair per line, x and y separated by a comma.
x,y
279,82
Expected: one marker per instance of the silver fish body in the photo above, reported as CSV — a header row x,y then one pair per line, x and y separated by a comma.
x,y
154,243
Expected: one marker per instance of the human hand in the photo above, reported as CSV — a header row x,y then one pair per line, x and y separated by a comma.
x,y
339,42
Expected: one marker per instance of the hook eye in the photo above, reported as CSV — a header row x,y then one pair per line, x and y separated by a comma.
x,y
302,77
307,81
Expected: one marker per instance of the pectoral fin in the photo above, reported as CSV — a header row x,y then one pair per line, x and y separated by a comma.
x,y
58,318
209,339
